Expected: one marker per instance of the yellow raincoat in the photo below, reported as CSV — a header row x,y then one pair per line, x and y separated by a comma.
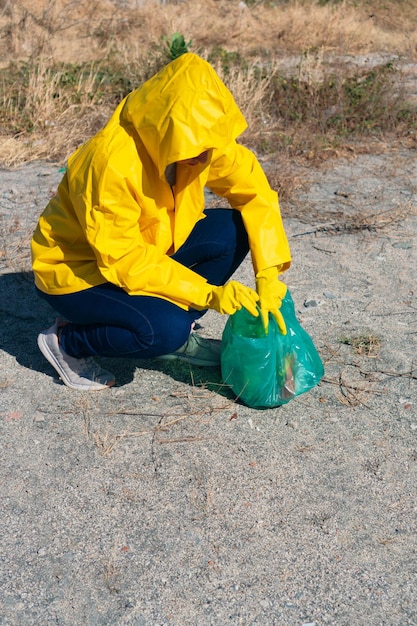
x,y
115,217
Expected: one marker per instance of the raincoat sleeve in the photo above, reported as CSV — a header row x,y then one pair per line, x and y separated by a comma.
x,y
236,175
123,255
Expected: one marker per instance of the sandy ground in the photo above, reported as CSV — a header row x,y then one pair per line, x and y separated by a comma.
x,y
164,502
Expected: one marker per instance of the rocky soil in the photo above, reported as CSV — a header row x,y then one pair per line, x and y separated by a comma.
x,y
163,501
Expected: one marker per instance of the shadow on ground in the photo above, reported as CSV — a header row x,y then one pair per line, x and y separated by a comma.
x,y
23,315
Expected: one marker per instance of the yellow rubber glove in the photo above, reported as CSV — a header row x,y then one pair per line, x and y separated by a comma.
x,y
233,296
271,292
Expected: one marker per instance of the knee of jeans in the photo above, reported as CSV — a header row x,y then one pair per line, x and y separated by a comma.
x,y
163,340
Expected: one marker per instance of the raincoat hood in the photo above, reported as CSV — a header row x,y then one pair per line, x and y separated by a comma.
x,y
118,218
183,111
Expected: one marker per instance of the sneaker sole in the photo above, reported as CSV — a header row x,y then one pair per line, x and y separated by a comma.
x,y
190,360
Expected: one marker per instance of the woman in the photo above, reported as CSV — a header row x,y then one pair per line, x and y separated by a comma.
x,y
125,251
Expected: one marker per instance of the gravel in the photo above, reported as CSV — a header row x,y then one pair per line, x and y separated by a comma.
x,y
164,502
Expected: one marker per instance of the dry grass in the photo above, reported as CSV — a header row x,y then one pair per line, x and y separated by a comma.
x,y
186,424
364,345
67,63
82,30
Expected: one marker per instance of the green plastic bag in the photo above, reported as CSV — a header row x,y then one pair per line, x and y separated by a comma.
x,y
268,370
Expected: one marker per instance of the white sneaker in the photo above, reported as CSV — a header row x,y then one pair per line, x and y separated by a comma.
x,y
197,351
80,374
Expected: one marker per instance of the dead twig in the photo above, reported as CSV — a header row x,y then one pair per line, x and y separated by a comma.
x,y
371,223
182,439
106,442
351,393
411,375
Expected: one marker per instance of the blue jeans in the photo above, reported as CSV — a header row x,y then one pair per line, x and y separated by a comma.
x,y
106,321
